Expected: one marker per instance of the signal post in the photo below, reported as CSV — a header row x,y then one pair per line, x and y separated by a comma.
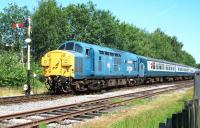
x,y
28,41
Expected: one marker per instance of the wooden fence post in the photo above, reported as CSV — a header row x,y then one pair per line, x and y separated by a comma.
x,y
198,113
197,97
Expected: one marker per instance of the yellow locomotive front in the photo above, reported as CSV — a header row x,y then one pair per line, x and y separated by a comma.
x,y
58,69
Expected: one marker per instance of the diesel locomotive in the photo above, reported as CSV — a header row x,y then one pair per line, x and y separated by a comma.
x,y
79,66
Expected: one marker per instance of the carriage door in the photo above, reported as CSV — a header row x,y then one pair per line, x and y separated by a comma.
x,y
90,54
141,69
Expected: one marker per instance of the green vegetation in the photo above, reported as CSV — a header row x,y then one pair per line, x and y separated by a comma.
x,y
53,24
139,102
84,22
11,71
150,118
43,125
145,113
198,66
132,102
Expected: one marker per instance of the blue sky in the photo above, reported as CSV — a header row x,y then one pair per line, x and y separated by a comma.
x,y
175,17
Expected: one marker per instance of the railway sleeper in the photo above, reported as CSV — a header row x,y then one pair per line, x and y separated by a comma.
x,y
77,118
86,116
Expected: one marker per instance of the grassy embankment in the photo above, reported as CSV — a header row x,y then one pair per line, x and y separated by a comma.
x,y
147,113
15,91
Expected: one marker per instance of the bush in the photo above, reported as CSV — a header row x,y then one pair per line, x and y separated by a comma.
x,y
12,73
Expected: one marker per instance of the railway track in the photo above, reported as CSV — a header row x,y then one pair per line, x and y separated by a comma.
x,y
40,97
77,112
31,98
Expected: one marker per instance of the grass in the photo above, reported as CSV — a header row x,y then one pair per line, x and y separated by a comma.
x,y
132,102
145,113
150,118
43,125
14,91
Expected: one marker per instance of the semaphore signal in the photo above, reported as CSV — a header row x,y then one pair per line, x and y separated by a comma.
x,y
18,25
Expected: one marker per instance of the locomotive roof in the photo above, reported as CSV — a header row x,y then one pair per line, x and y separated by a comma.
x,y
98,47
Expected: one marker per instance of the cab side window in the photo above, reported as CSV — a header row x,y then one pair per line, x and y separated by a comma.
x,y
69,46
62,47
78,48
87,52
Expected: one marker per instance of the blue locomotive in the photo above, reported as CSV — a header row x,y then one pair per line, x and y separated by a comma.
x,y
79,66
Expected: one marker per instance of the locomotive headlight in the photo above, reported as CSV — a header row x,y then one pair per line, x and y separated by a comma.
x,y
65,61
45,61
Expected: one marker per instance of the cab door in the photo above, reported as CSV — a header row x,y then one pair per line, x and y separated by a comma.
x,y
141,68
90,61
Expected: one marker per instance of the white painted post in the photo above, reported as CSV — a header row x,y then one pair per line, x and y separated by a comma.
x,y
28,41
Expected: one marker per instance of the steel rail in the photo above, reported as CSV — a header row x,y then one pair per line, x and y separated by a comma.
x,y
82,112
40,97
86,103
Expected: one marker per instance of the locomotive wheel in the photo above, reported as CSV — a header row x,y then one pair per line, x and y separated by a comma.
x,y
94,87
66,88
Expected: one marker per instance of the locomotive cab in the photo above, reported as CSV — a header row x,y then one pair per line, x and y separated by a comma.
x,y
61,67
58,68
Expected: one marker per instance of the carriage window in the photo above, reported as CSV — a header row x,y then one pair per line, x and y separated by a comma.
x,y
87,52
62,47
162,67
117,55
153,66
107,53
78,48
101,52
69,46
167,67
111,54
157,66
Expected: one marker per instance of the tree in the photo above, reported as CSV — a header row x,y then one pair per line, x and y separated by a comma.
x,y
198,66
11,15
52,25
48,27
91,25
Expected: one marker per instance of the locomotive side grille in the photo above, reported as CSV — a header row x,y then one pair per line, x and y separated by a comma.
x,y
79,65
76,65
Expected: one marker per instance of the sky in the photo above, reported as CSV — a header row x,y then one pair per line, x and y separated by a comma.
x,y
180,18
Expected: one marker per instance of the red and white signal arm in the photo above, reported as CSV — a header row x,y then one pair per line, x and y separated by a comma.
x,y
18,25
